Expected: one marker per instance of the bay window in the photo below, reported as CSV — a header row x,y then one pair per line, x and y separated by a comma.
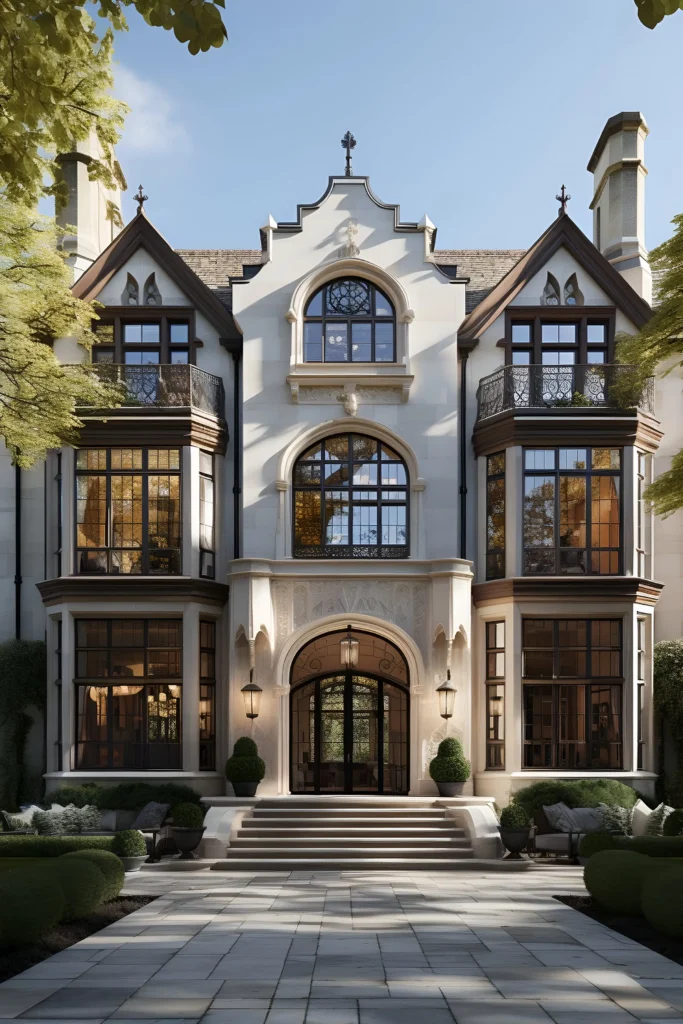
x,y
495,516
495,695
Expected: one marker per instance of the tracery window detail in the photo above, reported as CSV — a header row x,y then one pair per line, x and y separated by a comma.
x,y
350,500
349,321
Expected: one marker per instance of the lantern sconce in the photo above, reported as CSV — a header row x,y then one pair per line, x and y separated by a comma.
x,y
252,697
349,649
446,694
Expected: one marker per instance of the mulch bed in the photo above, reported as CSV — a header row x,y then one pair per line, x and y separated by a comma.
x,y
636,928
20,958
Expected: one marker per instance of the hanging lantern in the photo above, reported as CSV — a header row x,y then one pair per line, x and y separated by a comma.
x,y
446,694
349,649
252,699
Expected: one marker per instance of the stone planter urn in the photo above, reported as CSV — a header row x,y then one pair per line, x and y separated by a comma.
x,y
245,788
132,863
450,788
187,840
514,840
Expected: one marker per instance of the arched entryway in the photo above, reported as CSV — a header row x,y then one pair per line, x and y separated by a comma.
x,y
349,718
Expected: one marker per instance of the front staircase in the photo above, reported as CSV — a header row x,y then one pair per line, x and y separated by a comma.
x,y
346,833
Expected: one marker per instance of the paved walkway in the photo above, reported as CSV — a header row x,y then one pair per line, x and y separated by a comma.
x,y
352,948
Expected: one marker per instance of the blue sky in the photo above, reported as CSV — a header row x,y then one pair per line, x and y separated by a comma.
x,y
472,112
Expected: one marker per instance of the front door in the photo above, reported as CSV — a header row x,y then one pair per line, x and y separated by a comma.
x,y
349,734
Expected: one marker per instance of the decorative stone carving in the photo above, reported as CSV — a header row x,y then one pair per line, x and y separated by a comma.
x,y
380,396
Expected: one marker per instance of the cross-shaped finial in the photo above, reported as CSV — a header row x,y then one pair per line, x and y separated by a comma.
x,y
141,197
563,199
348,143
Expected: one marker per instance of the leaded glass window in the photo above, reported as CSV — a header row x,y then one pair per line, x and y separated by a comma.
x,y
350,500
349,321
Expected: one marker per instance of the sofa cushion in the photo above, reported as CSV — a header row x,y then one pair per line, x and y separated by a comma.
x,y
543,826
560,817
639,818
588,819
151,817
558,842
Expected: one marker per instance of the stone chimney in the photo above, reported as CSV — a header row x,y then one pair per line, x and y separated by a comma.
x,y
88,212
618,205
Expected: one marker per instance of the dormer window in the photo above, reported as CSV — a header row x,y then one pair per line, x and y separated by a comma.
x,y
349,321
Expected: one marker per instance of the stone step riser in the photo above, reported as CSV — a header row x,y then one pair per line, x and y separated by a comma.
x,y
362,864
343,814
261,842
345,853
286,832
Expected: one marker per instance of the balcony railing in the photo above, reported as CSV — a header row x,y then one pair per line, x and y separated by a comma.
x,y
615,386
167,385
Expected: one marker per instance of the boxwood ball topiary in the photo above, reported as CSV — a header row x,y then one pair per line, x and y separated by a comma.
x,y
82,883
450,763
513,816
129,843
106,862
661,900
31,902
245,765
245,747
615,878
187,816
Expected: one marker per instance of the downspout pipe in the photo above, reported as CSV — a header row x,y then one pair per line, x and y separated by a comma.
x,y
236,450
17,551
463,455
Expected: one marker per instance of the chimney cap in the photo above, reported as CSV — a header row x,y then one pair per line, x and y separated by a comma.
x,y
626,121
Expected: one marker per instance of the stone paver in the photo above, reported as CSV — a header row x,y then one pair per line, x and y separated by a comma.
x,y
351,948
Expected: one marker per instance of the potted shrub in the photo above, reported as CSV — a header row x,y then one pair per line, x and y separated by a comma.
x,y
245,768
450,769
129,846
187,828
514,830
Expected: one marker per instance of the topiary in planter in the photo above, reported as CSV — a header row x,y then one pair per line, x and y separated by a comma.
x,y
245,768
450,768
187,816
661,900
32,902
673,824
513,816
129,843
595,842
615,879
82,883
110,866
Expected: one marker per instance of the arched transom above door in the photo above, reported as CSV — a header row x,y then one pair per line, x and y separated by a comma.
x,y
376,656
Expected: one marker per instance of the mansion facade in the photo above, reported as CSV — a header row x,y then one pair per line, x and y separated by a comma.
x,y
351,468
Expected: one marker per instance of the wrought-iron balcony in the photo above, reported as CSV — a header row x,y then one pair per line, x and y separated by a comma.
x,y
176,385
615,386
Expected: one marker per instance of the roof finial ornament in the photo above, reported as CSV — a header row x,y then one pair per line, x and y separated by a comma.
x,y
348,143
563,199
141,198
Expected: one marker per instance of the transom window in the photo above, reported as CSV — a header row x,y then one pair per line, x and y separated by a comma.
x,y
349,321
350,500
572,519
128,510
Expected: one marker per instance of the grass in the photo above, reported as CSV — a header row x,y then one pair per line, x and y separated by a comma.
x,y
14,961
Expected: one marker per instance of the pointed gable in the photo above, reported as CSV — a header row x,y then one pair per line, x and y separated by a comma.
x,y
562,233
140,233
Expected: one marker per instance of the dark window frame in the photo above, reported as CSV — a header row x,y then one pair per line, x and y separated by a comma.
x,y
495,556
643,546
58,686
588,473
557,692
165,316
207,695
151,685
207,553
59,487
348,321
495,691
352,550
582,316
108,549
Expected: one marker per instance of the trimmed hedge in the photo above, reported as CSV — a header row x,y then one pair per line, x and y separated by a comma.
x,y
32,902
615,879
651,846
82,883
126,796
661,900
595,842
584,793
50,846
107,863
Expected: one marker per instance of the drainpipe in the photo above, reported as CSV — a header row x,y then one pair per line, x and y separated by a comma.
x,y
463,455
236,448
17,551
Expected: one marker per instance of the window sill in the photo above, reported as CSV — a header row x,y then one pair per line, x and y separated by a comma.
x,y
350,384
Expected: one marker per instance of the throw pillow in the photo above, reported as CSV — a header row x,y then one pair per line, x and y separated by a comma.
x,y
71,819
639,818
91,818
47,823
588,819
22,819
655,823
615,819
560,817
151,817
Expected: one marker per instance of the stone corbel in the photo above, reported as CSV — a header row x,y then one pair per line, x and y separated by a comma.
x,y
349,399
294,387
408,317
290,316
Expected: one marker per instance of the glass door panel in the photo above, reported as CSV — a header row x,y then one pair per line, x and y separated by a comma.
x,y
332,735
364,734
303,739
395,739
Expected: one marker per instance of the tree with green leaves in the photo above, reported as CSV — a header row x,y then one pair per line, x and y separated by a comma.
x,y
651,12
38,395
659,344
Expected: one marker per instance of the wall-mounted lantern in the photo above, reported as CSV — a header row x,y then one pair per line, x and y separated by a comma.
x,y
252,699
446,694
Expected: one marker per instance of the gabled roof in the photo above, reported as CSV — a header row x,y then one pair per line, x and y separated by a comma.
x,y
483,267
563,232
140,233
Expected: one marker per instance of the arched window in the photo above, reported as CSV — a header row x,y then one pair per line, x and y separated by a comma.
x,y
350,500
349,321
